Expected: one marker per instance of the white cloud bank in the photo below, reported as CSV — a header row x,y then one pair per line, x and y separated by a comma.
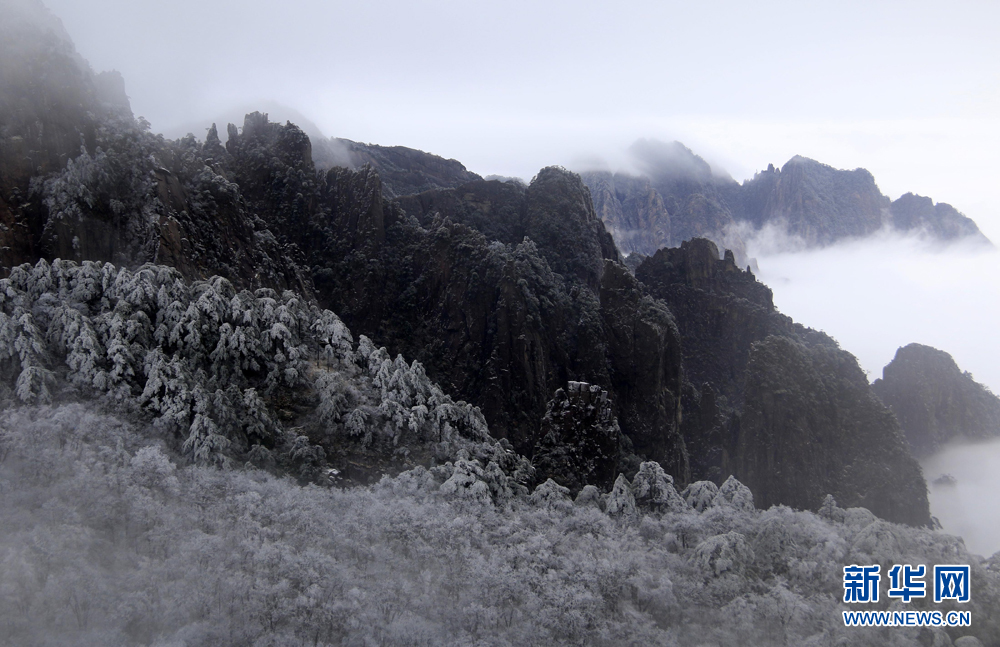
x,y
970,507
880,293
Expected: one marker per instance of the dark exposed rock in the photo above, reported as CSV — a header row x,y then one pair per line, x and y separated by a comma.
x,y
720,311
496,209
811,426
580,439
554,211
495,323
559,210
405,171
934,400
780,406
644,356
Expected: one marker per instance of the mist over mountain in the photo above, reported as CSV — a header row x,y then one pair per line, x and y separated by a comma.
x,y
416,402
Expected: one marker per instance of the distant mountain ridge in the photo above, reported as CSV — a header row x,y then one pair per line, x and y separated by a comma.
x,y
678,196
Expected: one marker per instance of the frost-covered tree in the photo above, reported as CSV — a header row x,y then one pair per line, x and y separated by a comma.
x,y
654,489
621,501
700,495
212,365
137,546
735,494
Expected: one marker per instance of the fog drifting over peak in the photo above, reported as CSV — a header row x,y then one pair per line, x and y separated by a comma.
x,y
877,294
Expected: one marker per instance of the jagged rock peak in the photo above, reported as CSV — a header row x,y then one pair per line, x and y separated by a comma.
x,y
697,263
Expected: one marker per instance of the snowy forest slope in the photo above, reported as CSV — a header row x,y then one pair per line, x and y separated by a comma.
x,y
132,546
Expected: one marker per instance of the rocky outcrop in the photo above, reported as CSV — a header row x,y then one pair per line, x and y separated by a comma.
x,y
140,199
507,292
776,404
935,401
555,211
678,197
644,358
720,311
632,210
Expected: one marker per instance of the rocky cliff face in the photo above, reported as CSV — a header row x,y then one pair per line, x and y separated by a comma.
x,y
813,201
720,309
811,426
914,213
505,293
632,210
935,401
773,402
